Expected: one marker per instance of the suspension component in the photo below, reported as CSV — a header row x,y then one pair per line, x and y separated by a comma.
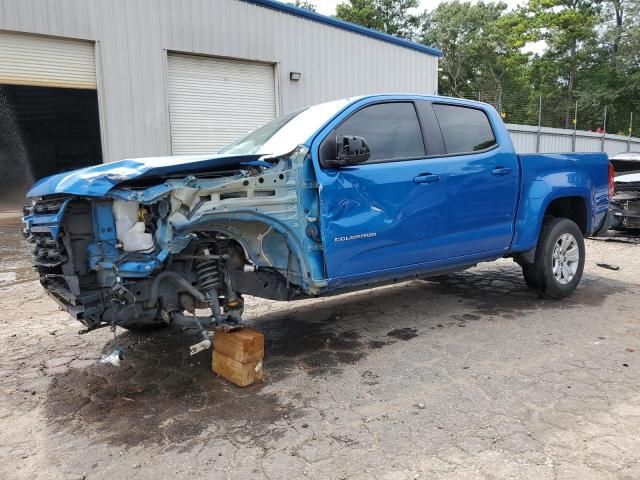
x,y
207,267
210,269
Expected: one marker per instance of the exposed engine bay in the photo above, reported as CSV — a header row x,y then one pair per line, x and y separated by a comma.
x,y
155,249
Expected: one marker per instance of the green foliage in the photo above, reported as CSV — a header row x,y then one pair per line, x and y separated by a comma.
x,y
304,4
476,53
587,55
394,17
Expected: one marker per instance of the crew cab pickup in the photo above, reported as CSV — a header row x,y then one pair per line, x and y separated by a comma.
x,y
335,197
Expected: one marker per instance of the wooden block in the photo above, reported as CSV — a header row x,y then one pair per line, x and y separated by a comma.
x,y
244,345
242,374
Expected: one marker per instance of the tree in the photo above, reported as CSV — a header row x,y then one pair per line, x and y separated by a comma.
x,y
395,17
611,77
591,54
306,4
621,19
569,29
481,46
591,58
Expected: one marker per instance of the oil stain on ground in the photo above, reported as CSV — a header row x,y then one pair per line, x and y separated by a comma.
x,y
501,292
406,333
157,395
316,347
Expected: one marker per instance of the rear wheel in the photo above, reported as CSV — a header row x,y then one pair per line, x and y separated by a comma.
x,y
559,260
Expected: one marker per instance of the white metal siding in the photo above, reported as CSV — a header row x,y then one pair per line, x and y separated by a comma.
x,y
523,142
618,144
554,140
132,37
555,143
46,61
589,144
212,101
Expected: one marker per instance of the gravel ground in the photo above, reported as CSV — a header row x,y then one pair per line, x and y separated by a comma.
x,y
469,377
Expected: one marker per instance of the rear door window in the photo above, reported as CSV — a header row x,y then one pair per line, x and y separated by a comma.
x,y
392,131
465,130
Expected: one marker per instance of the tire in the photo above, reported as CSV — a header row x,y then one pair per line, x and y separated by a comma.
x,y
559,260
143,327
530,276
157,323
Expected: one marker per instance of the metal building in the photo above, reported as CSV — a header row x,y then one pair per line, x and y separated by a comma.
x,y
160,77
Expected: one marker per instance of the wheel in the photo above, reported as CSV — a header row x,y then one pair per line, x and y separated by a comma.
x,y
559,260
162,320
530,276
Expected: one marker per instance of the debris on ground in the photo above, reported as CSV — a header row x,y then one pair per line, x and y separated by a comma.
x,y
114,358
608,267
618,238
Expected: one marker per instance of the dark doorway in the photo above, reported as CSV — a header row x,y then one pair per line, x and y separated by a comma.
x,y
44,130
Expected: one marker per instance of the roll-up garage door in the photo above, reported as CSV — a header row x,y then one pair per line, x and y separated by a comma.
x,y
46,61
213,102
49,118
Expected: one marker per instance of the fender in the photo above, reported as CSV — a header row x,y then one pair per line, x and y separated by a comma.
x,y
241,226
547,178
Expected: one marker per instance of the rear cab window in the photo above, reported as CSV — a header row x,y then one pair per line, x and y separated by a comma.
x,y
464,129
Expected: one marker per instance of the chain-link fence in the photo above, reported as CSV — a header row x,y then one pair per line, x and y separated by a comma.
x,y
558,111
610,127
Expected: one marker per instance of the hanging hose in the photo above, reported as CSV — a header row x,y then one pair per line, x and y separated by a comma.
x,y
176,278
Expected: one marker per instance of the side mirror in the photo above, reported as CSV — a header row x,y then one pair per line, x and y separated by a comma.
x,y
350,150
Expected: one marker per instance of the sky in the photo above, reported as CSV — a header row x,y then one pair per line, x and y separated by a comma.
x,y
328,7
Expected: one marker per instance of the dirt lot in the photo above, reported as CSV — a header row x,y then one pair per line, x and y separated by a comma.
x,y
472,377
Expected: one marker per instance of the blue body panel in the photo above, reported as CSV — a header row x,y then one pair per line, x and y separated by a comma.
x,y
378,224
96,181
547,177
50,223
399,222
481,207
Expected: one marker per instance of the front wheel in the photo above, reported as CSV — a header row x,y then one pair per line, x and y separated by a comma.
x,y
559,260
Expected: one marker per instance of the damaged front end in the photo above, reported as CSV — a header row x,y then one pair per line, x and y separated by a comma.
x,y
157,246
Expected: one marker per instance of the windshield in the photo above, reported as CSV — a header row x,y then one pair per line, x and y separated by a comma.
x,y
285,133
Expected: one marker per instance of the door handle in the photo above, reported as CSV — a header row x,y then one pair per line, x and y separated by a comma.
x,y
499,171
426,178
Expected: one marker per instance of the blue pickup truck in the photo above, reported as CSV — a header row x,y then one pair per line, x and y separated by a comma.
x,y
335,197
